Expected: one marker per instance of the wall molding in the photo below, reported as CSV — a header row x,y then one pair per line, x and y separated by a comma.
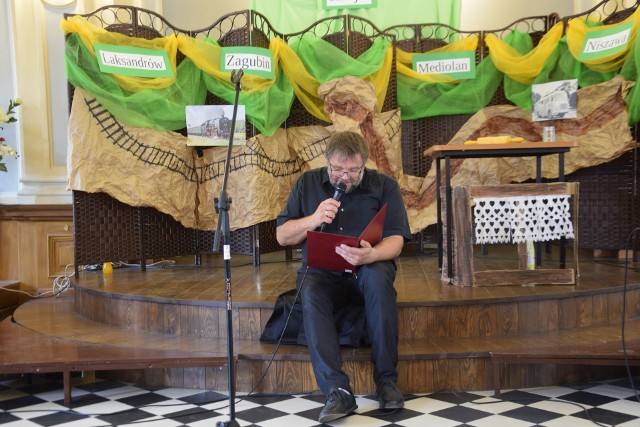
x,y
57,212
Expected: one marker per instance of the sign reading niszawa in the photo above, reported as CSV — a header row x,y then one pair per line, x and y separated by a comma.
x,y
133,61
457,65
252,60
599,43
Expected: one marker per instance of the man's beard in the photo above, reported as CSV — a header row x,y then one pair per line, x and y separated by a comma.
x,y
353,183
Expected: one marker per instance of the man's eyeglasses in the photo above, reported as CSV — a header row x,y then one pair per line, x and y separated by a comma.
x,y
338,172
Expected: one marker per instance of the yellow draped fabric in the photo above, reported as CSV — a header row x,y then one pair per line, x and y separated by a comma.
x,y
90,34
577,30
381,78
306,85
206,56
404,60
523,68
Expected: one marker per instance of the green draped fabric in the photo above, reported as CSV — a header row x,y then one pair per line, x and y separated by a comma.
x,y
417,98
384,15
162,109
515,91
630,71
560,65
267,108
325,61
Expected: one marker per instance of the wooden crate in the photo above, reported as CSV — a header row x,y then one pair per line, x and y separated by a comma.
x,y
464,273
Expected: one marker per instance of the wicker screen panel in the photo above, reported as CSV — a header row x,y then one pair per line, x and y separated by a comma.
x,y
266,231
352,35
299,116
360,37
108,230
230,27
332,30
242,241
105,229
233,30
420,134
411,153
262,28
607,11
163,236
253,241
609,193
535,26
132,21
421,38
608,202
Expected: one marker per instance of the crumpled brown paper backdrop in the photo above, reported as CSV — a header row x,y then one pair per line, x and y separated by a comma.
x,y
145,167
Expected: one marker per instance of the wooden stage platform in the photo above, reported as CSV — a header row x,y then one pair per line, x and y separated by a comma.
x,y
448,334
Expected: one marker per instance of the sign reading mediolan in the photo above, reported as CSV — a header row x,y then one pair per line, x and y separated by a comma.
x,y
252,60
605,42
457,65
133,61
348,4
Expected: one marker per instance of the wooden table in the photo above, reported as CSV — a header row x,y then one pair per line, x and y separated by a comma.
x,y
514,149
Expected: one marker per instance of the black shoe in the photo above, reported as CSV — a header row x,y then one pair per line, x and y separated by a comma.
x,y
389,396
340,403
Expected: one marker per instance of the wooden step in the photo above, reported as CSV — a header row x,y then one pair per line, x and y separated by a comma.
x,y
27,351
593,346
426,364
450,361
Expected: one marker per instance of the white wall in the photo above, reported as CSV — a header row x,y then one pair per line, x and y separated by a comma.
x,y
197,14
497,14
8,180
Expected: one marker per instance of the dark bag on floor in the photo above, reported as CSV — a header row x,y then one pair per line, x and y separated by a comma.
x,y
273,329
350,322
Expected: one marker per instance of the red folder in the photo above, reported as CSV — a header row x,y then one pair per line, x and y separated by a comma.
x,y
321,247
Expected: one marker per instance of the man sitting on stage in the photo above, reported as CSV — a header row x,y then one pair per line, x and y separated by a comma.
x,y
310,206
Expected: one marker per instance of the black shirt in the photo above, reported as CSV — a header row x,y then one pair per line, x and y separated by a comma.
x,y
357,208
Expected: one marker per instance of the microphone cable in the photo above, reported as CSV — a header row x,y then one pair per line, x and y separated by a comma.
x,y
278,344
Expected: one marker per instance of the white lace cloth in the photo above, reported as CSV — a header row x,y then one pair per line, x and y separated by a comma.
x,y
521,218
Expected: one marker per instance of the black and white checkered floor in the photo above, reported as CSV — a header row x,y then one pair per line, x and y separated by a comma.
x,y
39,402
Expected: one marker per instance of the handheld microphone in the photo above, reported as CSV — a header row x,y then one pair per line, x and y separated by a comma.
x,y
340,189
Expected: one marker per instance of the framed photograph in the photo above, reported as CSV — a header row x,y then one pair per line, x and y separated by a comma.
x,y
210,125
554,100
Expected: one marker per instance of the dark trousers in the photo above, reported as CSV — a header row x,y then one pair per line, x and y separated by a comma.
x,y
323,293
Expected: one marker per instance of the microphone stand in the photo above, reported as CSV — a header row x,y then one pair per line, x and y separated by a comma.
x,y
222,208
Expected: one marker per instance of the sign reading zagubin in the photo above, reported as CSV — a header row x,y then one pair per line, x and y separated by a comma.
x,y
251,60
133,61
599,43
458,65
